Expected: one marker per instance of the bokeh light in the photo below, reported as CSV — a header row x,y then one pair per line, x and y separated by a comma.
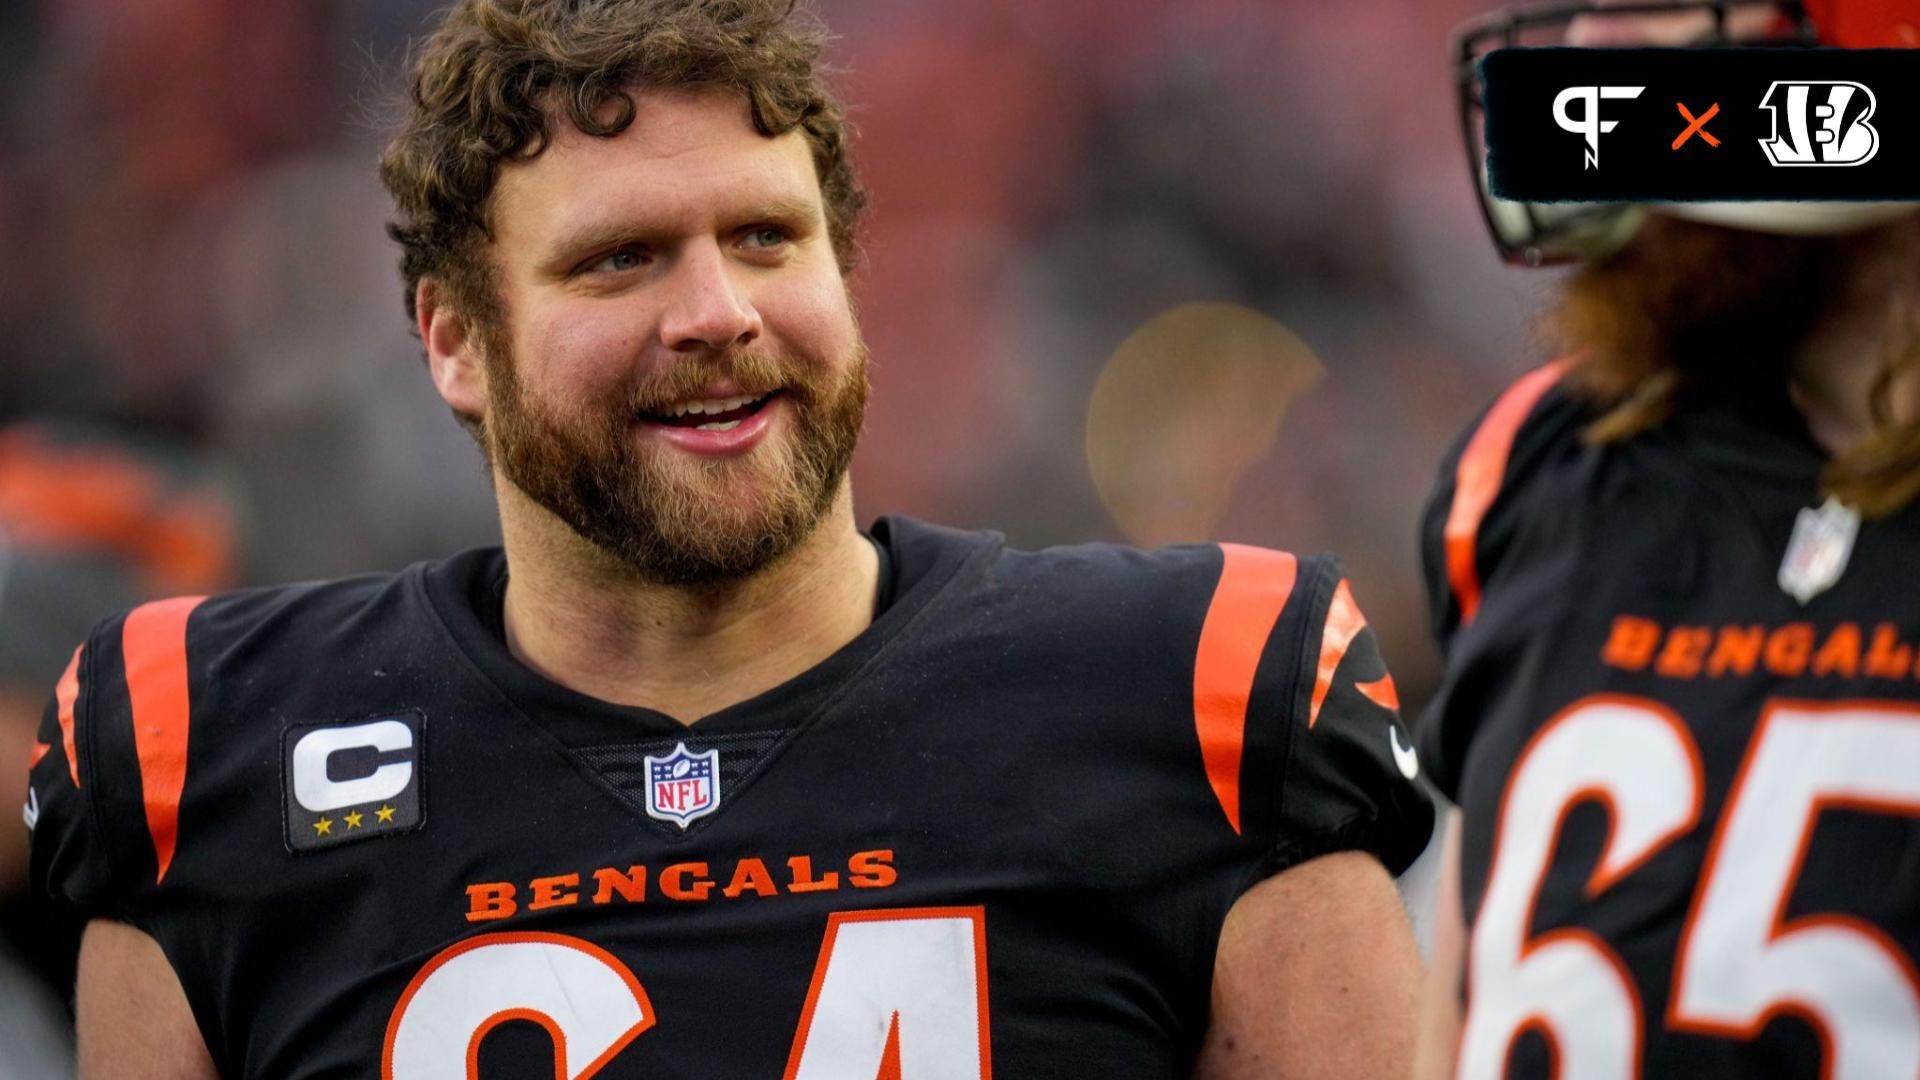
x,y
1183,407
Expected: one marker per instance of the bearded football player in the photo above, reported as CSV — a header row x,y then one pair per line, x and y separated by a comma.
x,y
692,776
1672,574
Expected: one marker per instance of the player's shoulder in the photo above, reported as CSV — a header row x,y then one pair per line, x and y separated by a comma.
x,y
1268,664
244,652
296,624
1531,426
1112,596
1173,595
1248,674
170,713
1504,490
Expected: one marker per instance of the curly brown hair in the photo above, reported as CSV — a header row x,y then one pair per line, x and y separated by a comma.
x,y
496,73
1687,311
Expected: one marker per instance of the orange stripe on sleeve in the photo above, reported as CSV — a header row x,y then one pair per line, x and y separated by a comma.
x,y
1477,479
39,751
65,693
1254,585
1344,621
1381,692
154,641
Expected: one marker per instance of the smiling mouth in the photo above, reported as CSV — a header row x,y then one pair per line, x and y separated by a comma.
x,y
712,414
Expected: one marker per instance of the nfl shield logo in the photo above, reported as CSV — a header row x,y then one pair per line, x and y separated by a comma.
x,y
683,785
1817,554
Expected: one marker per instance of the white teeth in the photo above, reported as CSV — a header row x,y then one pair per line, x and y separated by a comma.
x,y
716,426
715,406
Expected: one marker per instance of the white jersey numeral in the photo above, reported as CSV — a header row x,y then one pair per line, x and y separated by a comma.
x,y
1636,759
1741,960
896,993
590,1004
903,991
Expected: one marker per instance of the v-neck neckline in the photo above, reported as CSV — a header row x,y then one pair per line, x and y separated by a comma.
x,y
466,592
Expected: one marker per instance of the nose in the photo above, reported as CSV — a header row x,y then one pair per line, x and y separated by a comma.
x,y
708,309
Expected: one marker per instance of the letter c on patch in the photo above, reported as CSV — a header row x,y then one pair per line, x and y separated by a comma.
x,y
313,790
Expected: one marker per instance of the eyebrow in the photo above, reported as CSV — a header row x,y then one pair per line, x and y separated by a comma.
x,y
783,211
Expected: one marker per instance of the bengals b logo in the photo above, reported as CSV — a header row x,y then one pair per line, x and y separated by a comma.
x,y
1820,123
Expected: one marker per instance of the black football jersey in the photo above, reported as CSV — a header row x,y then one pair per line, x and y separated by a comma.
x,y
1681,717
997,832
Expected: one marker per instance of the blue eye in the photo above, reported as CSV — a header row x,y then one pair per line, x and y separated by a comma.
x,y
622,260
766,236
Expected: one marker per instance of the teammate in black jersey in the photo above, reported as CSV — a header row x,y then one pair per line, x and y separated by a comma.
x,y
1673,575
694,778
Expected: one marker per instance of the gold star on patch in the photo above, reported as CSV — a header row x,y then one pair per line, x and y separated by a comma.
x,y
353,819
385,814
324,827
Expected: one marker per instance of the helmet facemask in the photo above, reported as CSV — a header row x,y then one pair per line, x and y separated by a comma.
x,y
1538,234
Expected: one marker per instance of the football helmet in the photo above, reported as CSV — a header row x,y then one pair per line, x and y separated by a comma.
x,y
1536,234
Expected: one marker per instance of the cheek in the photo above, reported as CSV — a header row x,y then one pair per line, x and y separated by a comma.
x,y
578,347
811,317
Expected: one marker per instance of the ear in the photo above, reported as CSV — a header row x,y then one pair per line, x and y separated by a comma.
x,y
454,355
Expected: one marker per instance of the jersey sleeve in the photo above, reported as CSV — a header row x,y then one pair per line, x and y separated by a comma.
x,y
70,861
1350,774
1298,719
1471,532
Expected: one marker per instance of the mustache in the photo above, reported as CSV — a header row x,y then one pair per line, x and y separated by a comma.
x,y
754,373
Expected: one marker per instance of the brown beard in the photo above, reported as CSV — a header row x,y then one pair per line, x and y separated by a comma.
x,y
1696,309
681,521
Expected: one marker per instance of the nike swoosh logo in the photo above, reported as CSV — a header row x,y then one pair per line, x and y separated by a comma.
x,y
1403,756
31,812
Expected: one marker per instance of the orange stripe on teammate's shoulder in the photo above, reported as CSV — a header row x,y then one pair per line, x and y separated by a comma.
x,y
1254,585
66,693
1344,623
154,642
1477,479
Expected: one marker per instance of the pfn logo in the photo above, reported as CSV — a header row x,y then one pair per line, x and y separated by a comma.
x,y
1826,124
1589,124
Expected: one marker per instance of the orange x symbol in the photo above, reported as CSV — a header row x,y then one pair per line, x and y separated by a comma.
x,y
1697,124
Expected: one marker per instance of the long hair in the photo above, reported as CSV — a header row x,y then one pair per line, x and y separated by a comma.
x,y
1690,312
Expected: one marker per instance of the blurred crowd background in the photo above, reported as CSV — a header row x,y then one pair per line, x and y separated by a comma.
x,y
208,379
